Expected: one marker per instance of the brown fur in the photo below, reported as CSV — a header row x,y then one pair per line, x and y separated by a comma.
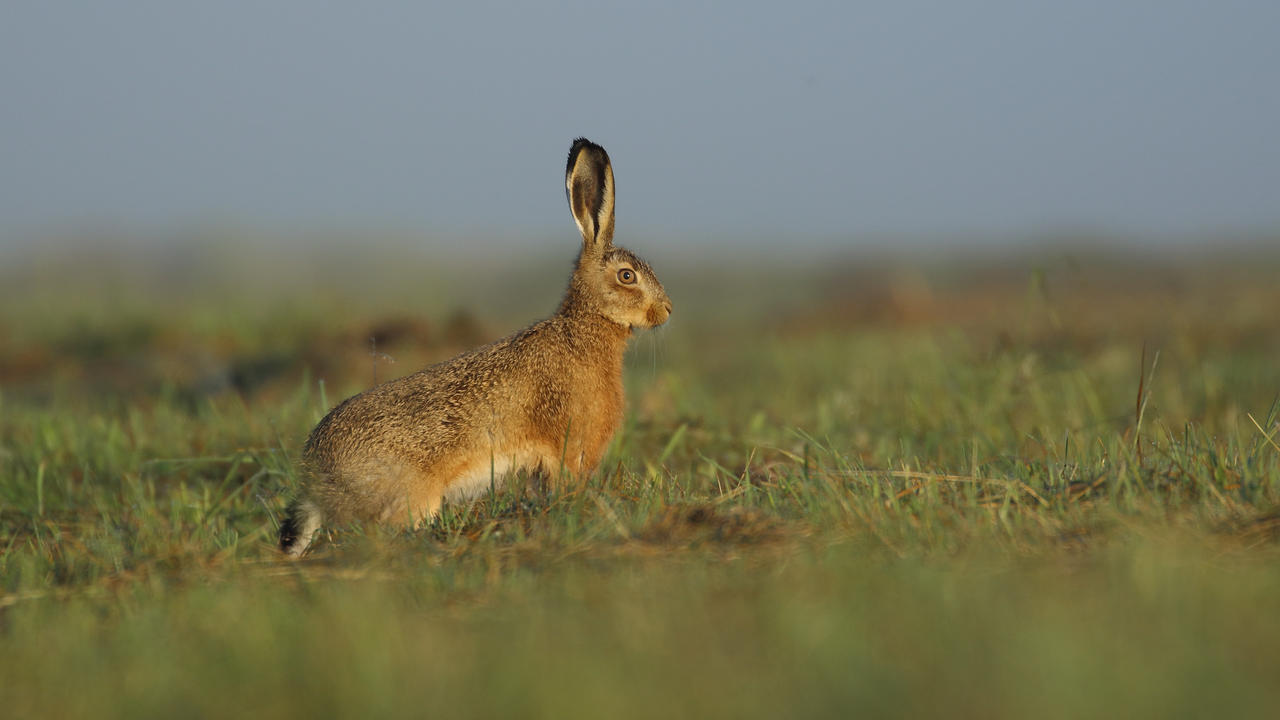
x,y
546,400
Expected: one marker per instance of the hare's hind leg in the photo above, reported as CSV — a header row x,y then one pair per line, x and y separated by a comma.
x,y
418,500
417,511
301,522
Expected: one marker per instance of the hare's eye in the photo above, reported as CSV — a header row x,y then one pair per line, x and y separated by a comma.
x,y
626,276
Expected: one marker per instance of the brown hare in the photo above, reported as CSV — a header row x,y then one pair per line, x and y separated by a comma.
x,y
546,400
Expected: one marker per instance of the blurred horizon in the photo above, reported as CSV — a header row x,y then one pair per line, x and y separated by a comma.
x,y
819,125
168,247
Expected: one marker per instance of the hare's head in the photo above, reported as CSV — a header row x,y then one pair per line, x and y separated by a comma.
x,y
608,280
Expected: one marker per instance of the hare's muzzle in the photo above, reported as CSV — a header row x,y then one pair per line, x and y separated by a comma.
x,y
658,313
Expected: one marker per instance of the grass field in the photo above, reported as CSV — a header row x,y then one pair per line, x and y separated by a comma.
x,y
1046,485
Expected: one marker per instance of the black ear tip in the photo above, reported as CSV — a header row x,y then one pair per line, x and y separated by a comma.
x,y
582,144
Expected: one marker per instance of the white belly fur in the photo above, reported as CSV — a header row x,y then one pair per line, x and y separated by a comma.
x,y
491,473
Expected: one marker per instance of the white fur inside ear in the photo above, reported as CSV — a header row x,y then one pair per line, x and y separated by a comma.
x,y
581,201
586,226
604,219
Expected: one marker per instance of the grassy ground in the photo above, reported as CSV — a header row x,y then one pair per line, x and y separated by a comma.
x,y
1048,485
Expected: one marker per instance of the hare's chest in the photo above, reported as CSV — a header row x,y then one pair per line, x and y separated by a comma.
x,y
600,414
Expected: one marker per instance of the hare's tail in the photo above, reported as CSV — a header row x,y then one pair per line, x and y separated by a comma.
x,y
301,521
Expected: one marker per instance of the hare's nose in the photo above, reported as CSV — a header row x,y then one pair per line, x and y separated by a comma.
x,y
667,304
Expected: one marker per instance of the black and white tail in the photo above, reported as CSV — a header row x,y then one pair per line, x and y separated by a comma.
x,y
301,521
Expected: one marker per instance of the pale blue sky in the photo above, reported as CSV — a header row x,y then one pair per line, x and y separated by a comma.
x,y
840,119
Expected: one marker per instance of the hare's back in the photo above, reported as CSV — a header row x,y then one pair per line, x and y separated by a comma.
x,y
409,414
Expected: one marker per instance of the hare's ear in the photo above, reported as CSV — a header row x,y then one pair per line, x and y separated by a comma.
x,y
588,181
